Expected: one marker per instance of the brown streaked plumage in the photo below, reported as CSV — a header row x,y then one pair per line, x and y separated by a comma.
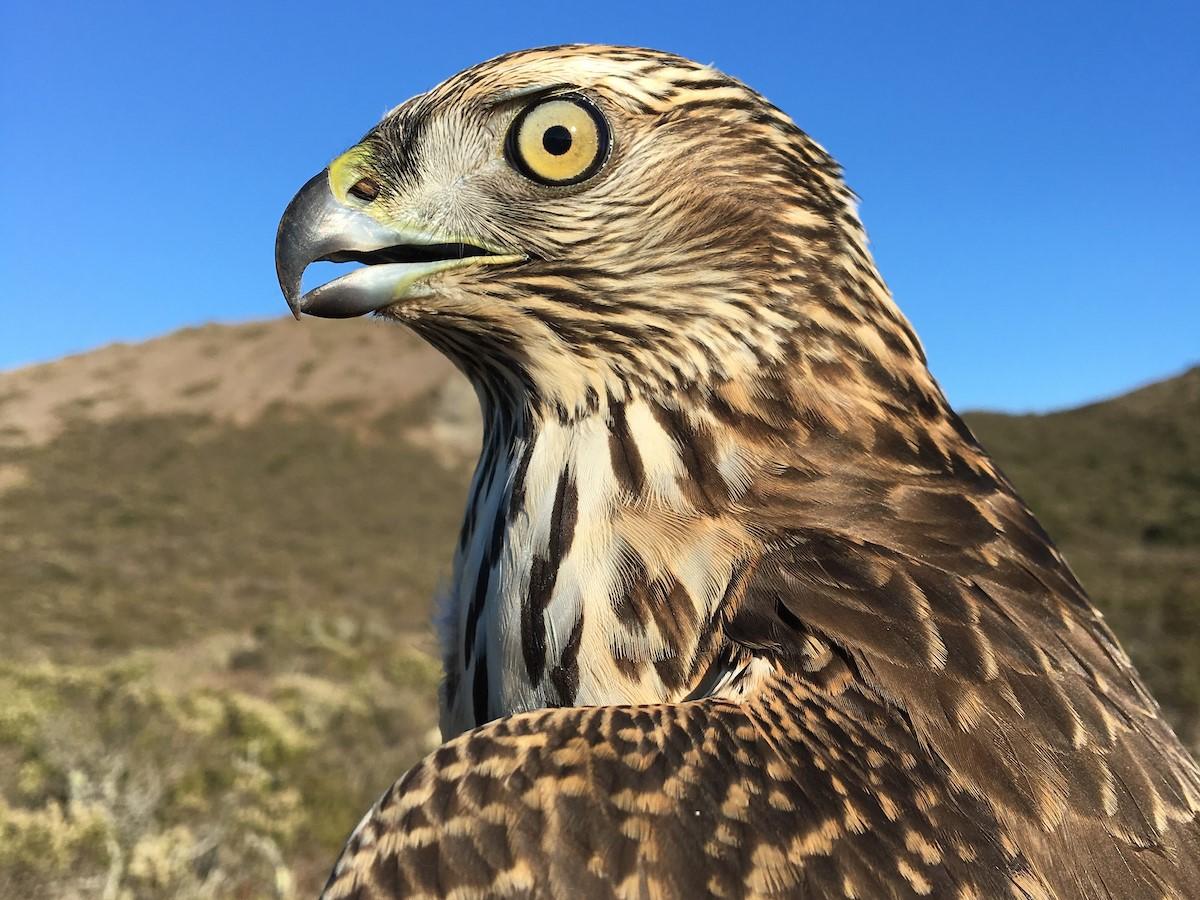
x,y
739,607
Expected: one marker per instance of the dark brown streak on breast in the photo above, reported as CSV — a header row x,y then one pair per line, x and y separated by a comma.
x,y
565,675
626,460
543,574
704,485
482,579
516,491
677,623
635,603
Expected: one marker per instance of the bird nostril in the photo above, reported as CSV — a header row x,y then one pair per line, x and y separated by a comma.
x,y
365,189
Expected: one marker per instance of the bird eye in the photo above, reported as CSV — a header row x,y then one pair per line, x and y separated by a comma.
x,y
559,141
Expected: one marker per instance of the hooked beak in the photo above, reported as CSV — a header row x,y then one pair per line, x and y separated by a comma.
x,y
316,226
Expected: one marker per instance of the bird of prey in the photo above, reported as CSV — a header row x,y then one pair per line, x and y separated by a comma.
x,y
740,608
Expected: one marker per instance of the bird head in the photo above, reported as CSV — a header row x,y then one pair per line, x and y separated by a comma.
x,y
581,222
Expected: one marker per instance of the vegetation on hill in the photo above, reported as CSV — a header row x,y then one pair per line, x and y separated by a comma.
x,y
215,654
216,649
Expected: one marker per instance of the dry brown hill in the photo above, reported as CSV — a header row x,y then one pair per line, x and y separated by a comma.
x,y
353,370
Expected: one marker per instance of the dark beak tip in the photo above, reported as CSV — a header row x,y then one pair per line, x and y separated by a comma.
x,y
291,293
290,287
296,239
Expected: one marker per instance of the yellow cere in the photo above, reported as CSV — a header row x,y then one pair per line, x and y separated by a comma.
x,y
558,141
346,170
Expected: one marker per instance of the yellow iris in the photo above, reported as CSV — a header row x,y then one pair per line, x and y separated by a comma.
x,y
559,141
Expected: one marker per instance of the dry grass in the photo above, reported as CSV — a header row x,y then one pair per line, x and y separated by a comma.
x,y
217,653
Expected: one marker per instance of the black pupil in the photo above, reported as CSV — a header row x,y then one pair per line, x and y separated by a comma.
x,y
556,140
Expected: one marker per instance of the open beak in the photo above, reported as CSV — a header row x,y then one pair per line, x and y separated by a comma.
x,y
317,226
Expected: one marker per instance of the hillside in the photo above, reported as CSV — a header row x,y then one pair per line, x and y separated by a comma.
x,y
217,551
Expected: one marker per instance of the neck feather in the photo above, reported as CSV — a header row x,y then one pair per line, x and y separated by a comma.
x,y
593,558
605,529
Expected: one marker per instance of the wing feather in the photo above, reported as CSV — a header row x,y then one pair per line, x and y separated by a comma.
x,y
803,792
1011,681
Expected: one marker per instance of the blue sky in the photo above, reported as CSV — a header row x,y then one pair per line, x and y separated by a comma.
x,y
1028,171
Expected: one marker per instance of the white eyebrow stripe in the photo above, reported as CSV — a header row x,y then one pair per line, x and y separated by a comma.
x,y
531,90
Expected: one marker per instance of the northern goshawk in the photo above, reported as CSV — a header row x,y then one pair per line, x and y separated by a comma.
x,y
740,607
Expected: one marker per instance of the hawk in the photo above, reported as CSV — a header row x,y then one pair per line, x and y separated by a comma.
x,y
739,608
